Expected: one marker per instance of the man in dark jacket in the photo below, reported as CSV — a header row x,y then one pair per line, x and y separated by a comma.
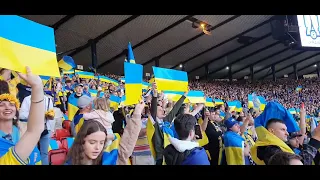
x,y
185,151
159,116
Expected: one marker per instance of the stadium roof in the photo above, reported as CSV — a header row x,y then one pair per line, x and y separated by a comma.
x,y
236,41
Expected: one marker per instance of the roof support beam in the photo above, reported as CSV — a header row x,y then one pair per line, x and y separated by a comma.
x,y
193,38
261,60
282,60
245,57
224,42
146,40
300,61
63,20
304,67
230,52
103,35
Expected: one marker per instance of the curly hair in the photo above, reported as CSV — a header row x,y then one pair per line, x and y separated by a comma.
x,y
76,152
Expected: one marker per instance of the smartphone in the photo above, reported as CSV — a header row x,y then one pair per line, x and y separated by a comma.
x,y
197,131
302,105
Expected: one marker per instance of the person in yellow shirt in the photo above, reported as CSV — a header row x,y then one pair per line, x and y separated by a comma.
x,y
15,150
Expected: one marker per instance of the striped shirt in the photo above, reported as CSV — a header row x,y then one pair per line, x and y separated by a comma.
x,y
142,147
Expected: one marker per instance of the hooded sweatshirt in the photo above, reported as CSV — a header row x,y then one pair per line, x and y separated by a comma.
x,y
105,118
181,152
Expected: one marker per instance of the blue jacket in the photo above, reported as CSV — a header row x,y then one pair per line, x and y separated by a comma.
x,y
197,157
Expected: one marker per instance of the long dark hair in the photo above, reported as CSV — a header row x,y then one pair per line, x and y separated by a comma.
x,y
75,154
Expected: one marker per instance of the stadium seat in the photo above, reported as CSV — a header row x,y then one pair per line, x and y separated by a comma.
x,y
57,157
54,145
61,134
66,124
67,142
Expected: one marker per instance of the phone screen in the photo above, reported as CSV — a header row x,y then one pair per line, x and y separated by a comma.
x,y
197,130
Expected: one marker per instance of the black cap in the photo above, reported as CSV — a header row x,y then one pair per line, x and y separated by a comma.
x,y
294,135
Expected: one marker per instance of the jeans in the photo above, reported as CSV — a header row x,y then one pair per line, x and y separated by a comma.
x,y
44,146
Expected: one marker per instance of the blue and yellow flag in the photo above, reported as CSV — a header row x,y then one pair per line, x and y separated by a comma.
x,y
130,54
108,80
299,88
175,96
234,148
145,85
110,154
45,79
114,102
84,74
209,102
170,79
67,63
196,97
292,111
94,93
232,105
222,114
150,132
273,110
72,106
68,72
238,106
53,145
218,102
263,103
27,43
250,101
133,87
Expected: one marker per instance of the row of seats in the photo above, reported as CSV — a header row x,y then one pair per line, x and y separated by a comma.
x,y
60,143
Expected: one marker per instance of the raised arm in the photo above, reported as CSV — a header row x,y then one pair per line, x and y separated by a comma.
x,y
35,127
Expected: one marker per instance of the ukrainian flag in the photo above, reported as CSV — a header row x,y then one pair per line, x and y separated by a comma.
x,y
72,106
45,79
68,72
94,93
299,88
263,102
27,43
170,79
84,74
209,102
222,114
238,106
122,101
108,80
196,97
110,154
234,148
133,86
232,105
250,101
114,101
218,102
151,79
150,132
145,85
67,63
175,96
292,111
265,138
78,122
130,54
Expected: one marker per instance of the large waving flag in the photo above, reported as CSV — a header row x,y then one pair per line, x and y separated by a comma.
x,y
273,110
68,72
114,102
27,43
233,148
238,106
196,97
67,63
110,154
130,54
145,85
170,79
84,74
133,87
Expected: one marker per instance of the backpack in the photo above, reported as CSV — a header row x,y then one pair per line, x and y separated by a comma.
x,y
174,157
